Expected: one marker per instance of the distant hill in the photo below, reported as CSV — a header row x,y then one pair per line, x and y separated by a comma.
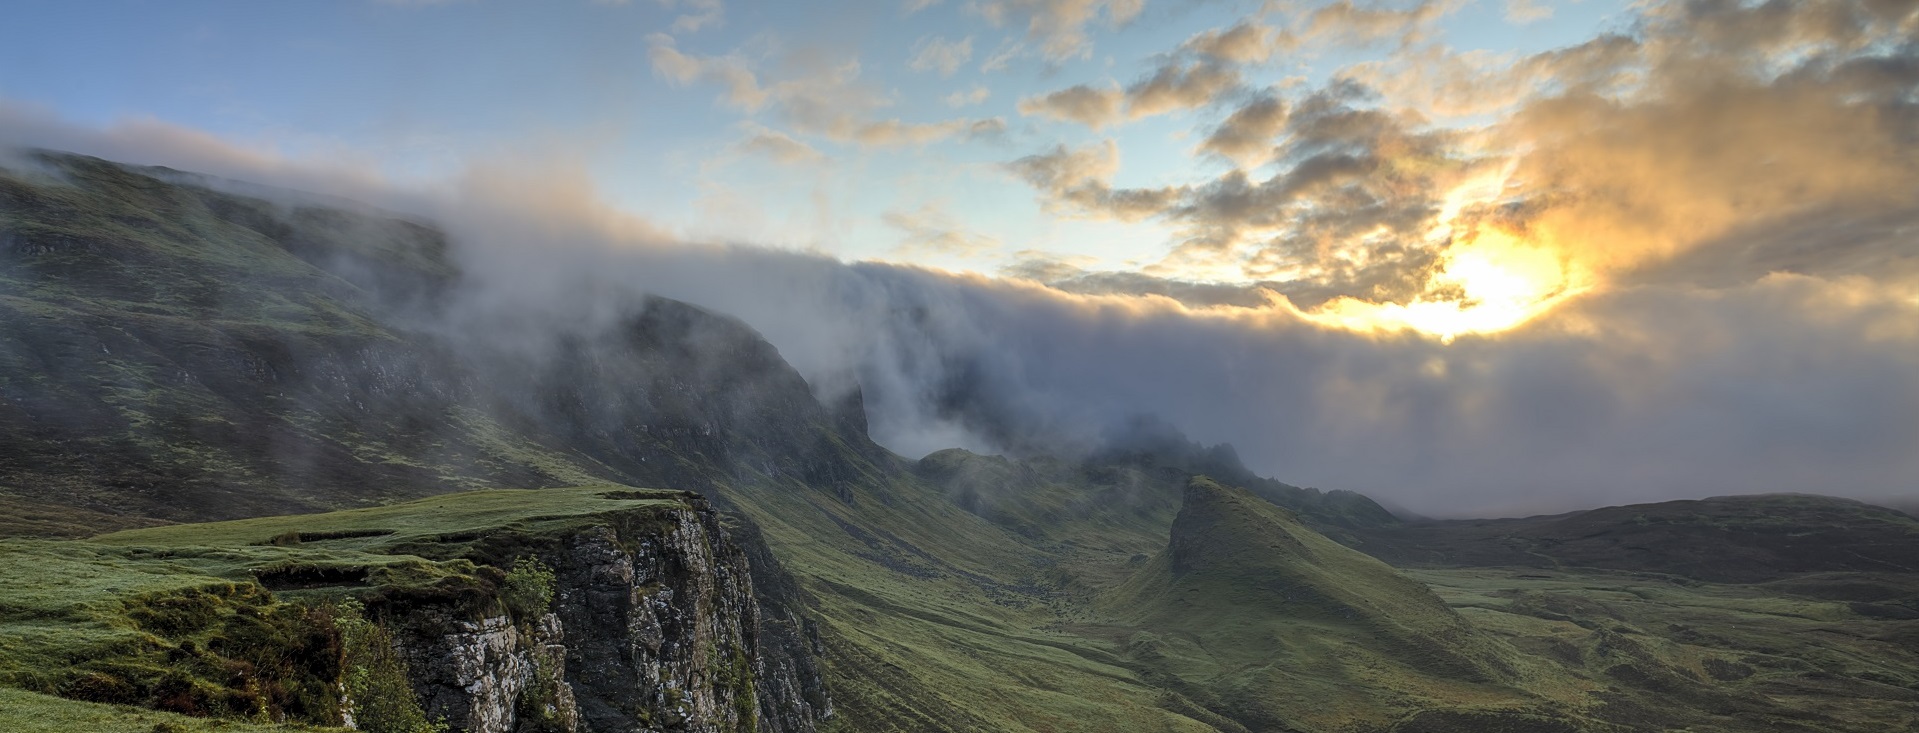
x,y
1738,539
1275,615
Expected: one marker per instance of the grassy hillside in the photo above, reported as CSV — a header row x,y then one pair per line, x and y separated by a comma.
x,y
1277,627
171,349
1063,610
28,712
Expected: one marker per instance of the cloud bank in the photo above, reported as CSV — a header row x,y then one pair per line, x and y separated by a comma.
x,y
1707,219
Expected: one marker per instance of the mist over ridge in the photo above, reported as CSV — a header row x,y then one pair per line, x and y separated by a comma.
x,y
1664,254
1787,383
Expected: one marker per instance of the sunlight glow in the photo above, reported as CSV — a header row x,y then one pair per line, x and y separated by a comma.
x,y
1490,280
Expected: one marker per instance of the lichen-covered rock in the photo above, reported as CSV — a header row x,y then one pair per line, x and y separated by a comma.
x,y
655,626
490,675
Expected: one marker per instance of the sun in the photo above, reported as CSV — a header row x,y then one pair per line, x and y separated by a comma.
x,y
1493,283
1489,278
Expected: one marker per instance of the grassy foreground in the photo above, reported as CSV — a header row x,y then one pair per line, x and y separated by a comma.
x,y
28,712
232,620
1189,607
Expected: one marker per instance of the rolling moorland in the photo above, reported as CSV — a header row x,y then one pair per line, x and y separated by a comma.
x,y
260,472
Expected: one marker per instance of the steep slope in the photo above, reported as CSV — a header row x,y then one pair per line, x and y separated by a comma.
x,y
168,349
1273,625
1155,447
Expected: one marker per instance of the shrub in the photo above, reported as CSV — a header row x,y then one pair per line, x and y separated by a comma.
x,y
377,691
528,588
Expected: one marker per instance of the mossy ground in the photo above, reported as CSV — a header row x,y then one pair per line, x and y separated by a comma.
x,y
109,625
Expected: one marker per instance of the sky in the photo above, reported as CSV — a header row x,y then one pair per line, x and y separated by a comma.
x,y
1471,256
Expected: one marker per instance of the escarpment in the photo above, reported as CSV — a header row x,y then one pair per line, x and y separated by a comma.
x,y
592,610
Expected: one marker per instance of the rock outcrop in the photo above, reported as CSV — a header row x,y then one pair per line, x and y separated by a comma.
x,y
599,609
655,625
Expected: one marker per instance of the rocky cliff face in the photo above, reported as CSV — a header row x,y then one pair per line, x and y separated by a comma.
x,y
656,625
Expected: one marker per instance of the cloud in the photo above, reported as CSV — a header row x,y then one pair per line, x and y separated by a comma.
x,y
968,97
1602,159
1071,276
1206,68
1713,198
1670,384
817,98
1248,42
1059,26
1248,136
780,148
909,7
930,230
1078,181
1093,107
1347,213
742,86
1172,87
894,133
937,53
1349,24
1179,87
700,14
1526,12
1648,393
1002,56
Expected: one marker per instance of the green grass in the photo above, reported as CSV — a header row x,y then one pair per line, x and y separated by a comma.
x,y
28,712
23,518
936,619
109,625
1036,613
176,617
1682,654
1270,623
445,519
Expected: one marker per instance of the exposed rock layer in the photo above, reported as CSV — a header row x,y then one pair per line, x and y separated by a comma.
x,y
655,626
